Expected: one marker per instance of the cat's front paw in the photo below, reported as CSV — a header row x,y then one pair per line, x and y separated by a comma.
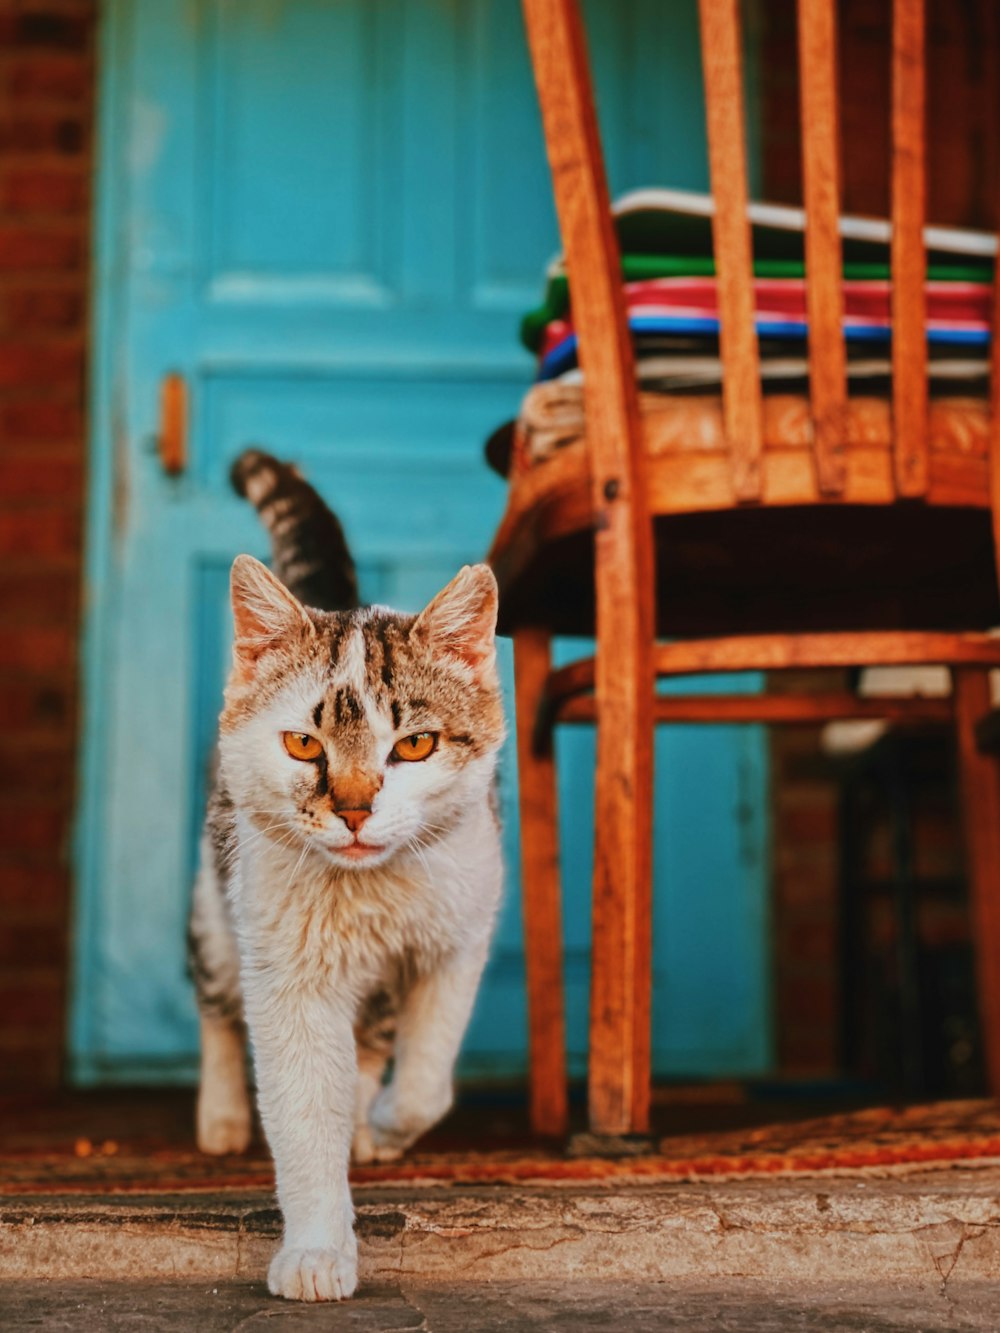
x,y
369,1145
224,1125
366,1147
396,1122
313,1275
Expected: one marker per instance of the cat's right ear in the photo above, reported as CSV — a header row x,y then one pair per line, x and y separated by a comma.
x,y
264,613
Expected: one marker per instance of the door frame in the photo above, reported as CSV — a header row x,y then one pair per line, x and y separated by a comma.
x,y
106,388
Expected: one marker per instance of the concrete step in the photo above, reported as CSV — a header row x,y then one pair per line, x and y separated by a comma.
x,y
931,1227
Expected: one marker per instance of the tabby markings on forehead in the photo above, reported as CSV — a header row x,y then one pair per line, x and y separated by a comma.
x,y
351,666
380,635
335,635
347,706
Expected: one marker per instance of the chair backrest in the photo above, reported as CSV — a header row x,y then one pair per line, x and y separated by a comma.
x,y
559,57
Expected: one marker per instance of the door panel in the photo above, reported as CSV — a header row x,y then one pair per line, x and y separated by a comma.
x,y
327,215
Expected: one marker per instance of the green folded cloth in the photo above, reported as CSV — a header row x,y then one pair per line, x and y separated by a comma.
x,y
642,268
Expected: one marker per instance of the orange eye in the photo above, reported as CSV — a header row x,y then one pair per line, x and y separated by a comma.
x,y
412,748
301,746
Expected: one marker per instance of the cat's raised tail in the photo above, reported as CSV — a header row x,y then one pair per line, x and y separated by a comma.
x,y
308,547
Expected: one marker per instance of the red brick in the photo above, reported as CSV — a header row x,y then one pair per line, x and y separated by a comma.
x,y
39,707
37,1066
39,648
805,1054
32,1004
938,849
50,27
810,942
24,777
27,1050
812,857
814,824
40,420
26,312
42,889
42,476
39,532
31,190
62,77
943,924
33,249
33,828
46,85
802,887
38,363
28,946
43,131
810,786
37,596
812,1001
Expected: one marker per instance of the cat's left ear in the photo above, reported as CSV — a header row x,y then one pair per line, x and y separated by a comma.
x,y
461,621
265,614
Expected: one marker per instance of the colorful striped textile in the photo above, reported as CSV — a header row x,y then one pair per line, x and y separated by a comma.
x,y
958,315
645,268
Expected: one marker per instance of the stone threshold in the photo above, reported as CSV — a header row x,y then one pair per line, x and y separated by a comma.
x,y
932,1226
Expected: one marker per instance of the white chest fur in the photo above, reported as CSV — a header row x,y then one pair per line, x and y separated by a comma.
x,y
316,924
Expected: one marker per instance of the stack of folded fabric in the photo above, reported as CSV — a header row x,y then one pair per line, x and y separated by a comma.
x,y
670,290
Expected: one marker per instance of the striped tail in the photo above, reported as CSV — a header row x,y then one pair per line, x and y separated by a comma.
x,y
309,550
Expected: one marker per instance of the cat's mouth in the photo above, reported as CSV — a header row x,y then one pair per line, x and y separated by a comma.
x,y
359,851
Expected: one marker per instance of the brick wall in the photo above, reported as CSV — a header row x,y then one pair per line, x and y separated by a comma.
x,y
46,102
806,907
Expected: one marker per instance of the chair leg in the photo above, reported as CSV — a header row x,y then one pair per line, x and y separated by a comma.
x,y
540,889
980,780
621,948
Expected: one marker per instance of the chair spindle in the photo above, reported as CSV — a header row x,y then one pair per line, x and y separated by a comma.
x,y
824,293
909,336
741,391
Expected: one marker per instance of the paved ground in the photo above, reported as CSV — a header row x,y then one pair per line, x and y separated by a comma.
x,y
571,1307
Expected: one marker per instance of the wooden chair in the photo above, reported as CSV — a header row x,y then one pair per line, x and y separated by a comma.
x,y
866,542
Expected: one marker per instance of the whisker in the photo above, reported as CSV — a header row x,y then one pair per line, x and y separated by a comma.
x,y
295,871
243,844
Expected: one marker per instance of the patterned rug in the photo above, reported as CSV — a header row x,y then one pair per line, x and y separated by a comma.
x,y
39,1156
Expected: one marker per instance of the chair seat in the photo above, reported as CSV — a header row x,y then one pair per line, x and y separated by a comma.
x,y
552,419
795,562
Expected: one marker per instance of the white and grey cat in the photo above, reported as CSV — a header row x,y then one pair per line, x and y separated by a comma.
x,y
350,869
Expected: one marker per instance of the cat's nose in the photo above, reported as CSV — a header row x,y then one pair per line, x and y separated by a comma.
x,y
354,818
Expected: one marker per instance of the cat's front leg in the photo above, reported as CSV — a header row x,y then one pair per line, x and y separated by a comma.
x,y
431,1024
306,1073
371,1067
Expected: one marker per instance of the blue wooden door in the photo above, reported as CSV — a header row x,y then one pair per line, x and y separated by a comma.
x,y
327,215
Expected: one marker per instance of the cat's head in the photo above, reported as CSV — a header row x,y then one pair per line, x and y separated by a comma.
x,y
360,733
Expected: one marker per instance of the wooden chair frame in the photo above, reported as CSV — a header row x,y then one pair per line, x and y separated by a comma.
x,y
616,688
